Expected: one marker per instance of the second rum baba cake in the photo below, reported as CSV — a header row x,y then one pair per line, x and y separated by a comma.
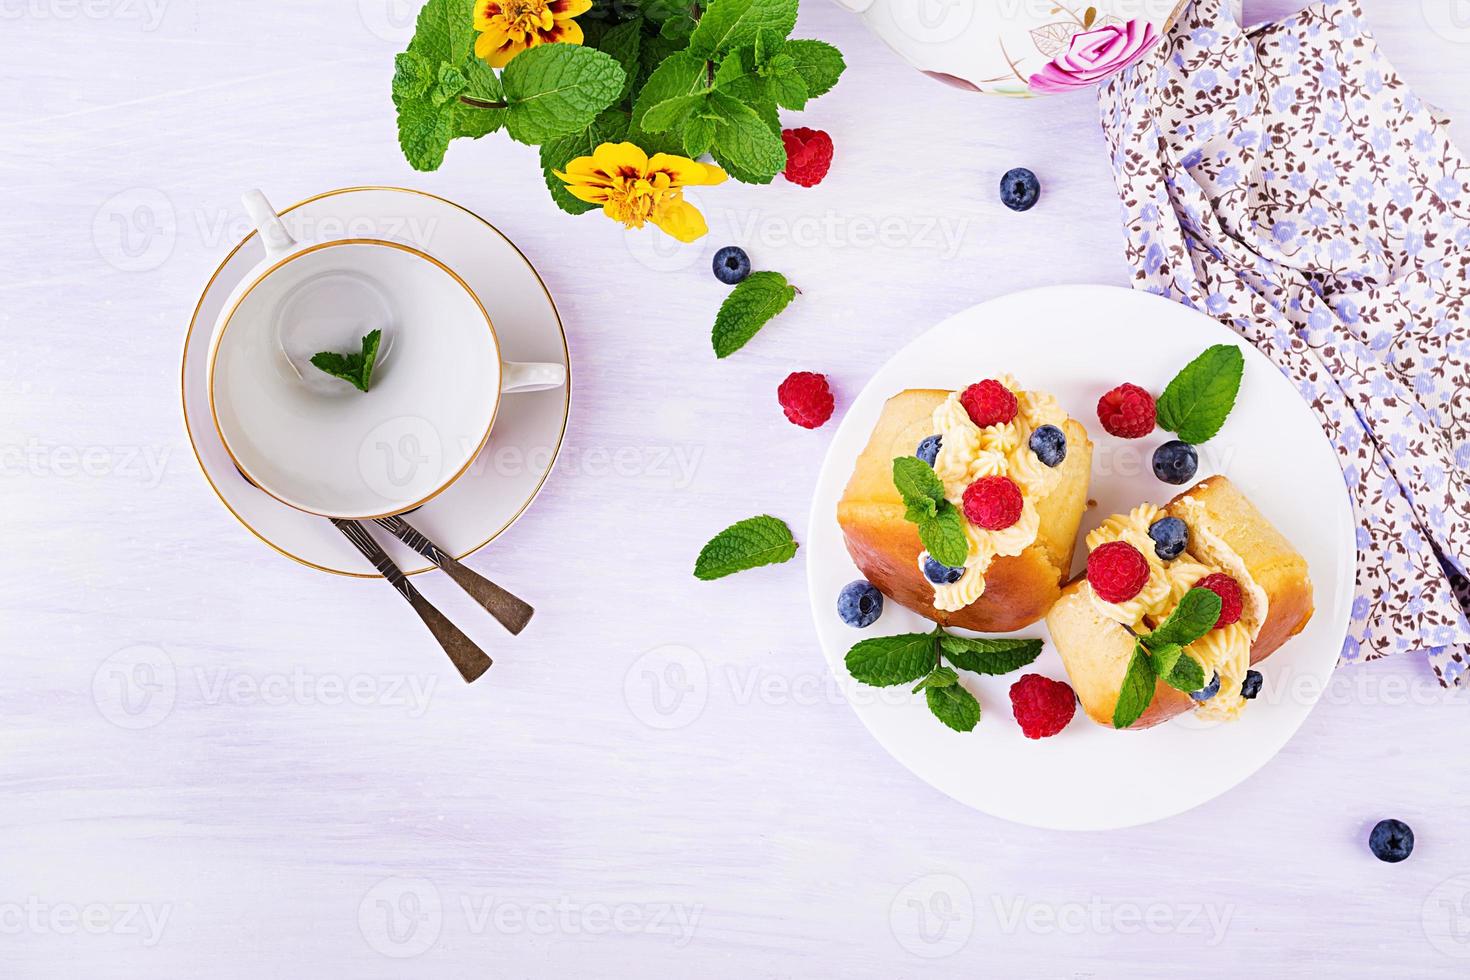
x,y
1009,477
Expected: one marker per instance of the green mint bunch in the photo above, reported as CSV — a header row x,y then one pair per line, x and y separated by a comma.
x,y
1160,655
932,660
688,79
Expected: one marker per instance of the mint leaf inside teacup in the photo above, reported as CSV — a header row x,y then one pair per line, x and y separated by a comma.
x,y
356,368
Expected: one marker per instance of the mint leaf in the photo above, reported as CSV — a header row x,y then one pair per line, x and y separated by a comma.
x,y
411,77
745,544
818,63
887,661
944,537
988,656
557,152
424,132
677,75
743,139
916,479
444,32
1196,403
750,305
1196,614
555,89
1165,656
356,369
482,85
728,24
698,134
789,91
1186,675
938,677
672,112
624,42
954,706
1138,689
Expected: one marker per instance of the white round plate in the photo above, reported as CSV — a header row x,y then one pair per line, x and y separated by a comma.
x,y
1077,342
508,473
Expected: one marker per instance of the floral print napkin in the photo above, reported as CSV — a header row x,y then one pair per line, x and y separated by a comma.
x,y
1284,179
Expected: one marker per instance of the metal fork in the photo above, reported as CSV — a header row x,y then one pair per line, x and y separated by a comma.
x,y
511,611
470,660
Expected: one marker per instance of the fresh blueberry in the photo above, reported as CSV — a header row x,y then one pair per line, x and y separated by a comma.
x,y
1171,537
1175,462
1251,686
1049,444
1019,189
731,264
1391,840
941,574
928,450
1209,690
859,604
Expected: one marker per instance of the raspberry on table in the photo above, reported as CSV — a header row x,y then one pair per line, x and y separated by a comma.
x,y
1232,599
808,155
1127,412
1041,705
806,399
993,502
989,403
1117,571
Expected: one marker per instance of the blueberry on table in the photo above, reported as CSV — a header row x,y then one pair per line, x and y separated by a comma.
x,y
1176,462
1170,536
1209,690
731,264
1391,840
928,450
1049,444
1019,189
941,574
859,604
1251,686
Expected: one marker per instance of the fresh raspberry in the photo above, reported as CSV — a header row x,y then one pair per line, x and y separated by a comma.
x,y
993,502
808,155
1127,412
1232,600
1042,706
1117,571
989,402
806,399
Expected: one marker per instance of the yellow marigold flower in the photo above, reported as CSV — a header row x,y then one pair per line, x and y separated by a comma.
x,y
634,188
508,27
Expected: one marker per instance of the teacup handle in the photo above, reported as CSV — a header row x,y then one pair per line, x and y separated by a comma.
x,y
273,234
516,376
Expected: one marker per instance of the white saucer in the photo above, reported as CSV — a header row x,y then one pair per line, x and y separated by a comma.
x,y
503,480
1077,342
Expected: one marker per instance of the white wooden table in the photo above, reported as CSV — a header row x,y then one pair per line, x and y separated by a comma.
x,y
316,795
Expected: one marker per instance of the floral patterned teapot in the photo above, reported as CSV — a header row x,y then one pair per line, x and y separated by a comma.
x,y
1019,47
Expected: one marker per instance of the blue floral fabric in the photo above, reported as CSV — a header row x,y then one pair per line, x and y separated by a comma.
x,y
1284,179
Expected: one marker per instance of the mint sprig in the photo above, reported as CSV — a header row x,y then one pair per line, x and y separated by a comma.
x,y
749,307
746,544
941,526
1160,654
1196,403
355,368
888,661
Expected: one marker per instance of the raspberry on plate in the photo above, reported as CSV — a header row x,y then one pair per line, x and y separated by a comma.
x,y
1041,705
808,155
1117,571
806,399
1127,412
993,502
989,403
1232,600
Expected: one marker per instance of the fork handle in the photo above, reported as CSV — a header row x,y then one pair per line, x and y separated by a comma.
x,y
512,612
468,658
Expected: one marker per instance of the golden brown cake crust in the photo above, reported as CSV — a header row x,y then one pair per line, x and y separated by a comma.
x,y
886,547
1095,650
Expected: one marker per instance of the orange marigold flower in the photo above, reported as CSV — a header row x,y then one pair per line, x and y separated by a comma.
x,y
634,188
508,27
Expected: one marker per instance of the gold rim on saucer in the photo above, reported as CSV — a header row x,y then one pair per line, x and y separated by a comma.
x,y
230,316
566,390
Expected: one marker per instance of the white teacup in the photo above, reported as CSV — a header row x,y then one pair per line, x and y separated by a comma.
x,y
316,442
